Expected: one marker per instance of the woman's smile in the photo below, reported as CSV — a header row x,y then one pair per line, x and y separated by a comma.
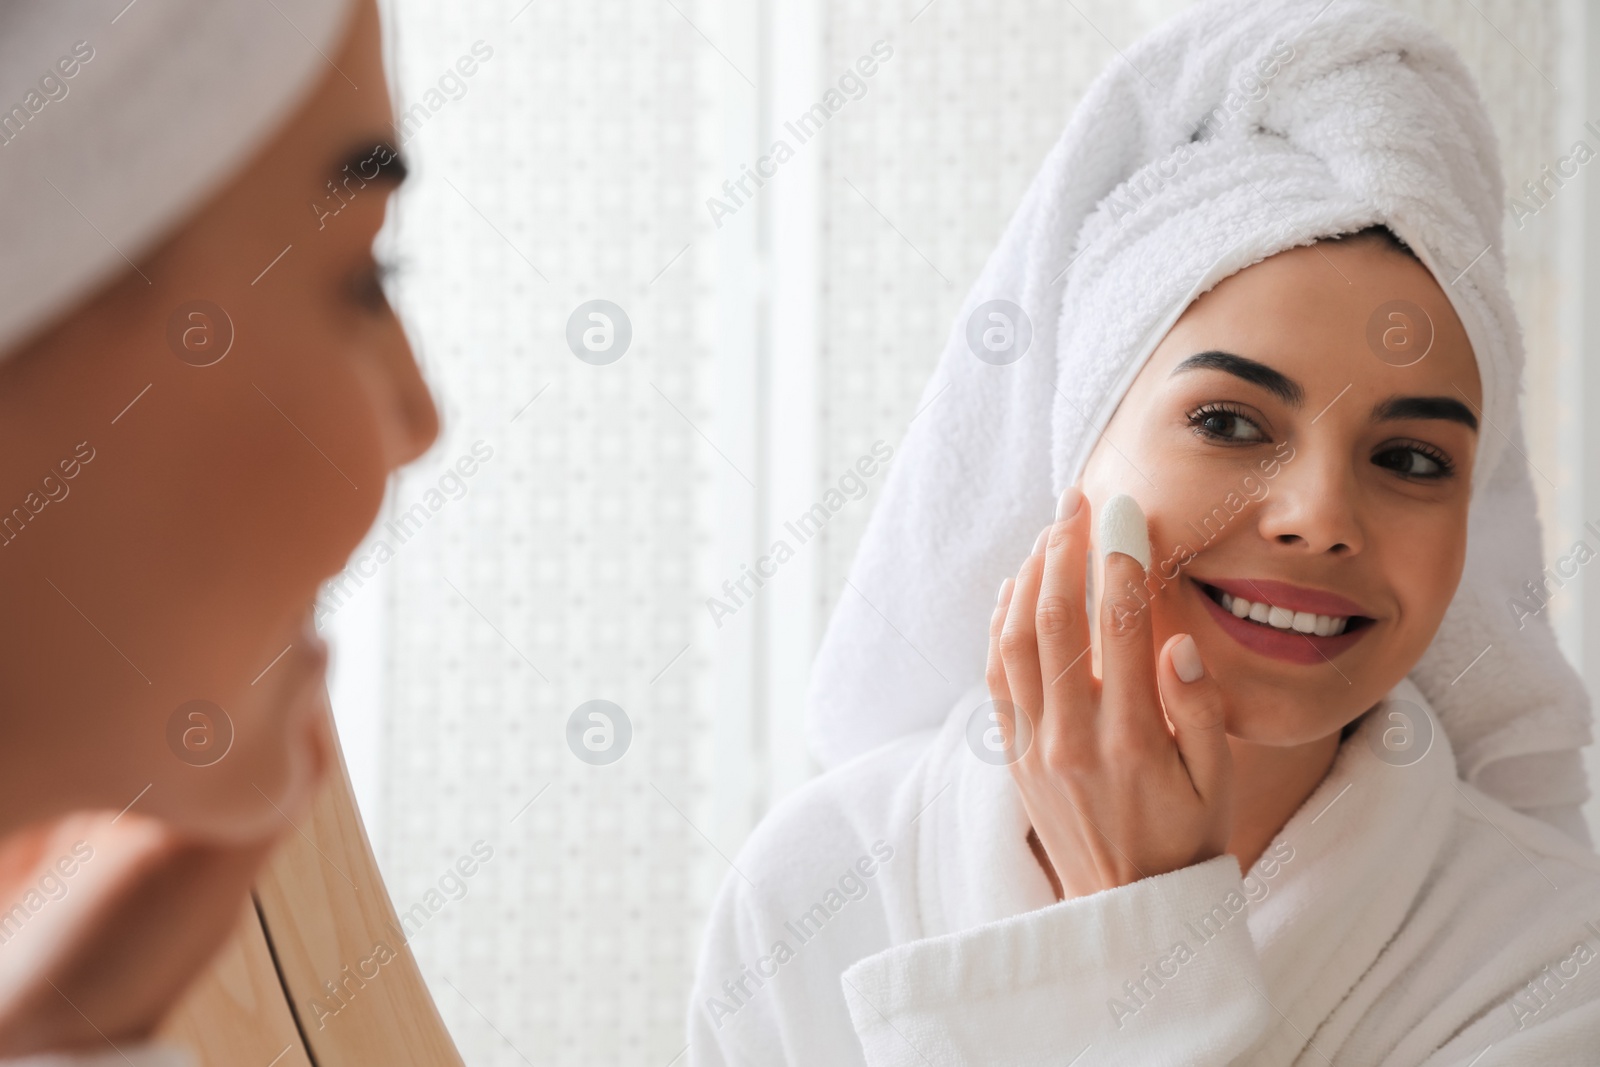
x,y
1270,625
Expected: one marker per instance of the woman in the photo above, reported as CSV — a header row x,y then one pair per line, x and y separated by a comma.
x,y
202,394
1307,792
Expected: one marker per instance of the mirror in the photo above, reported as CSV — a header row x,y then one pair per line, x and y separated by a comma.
x,y
318,970
570,657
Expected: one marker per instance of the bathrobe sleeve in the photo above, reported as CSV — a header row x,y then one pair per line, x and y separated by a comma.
x,y
1159,971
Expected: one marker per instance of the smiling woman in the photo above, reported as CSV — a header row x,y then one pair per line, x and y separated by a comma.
x,y
1311,307
1325,592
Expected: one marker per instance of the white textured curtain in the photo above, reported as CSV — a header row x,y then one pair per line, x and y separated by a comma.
x,y
589,530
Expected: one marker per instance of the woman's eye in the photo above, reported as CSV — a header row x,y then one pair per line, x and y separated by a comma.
x,y
1413,462
1226,424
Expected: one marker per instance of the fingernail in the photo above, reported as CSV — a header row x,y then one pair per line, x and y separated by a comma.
x,y
1001,595
1123,529
1038,546
1071,500
1186,660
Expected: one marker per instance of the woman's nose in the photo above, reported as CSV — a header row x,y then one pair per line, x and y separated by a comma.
x,y
1312,504
416,418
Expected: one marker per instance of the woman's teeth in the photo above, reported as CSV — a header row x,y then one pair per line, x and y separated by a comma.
x,y
1282,618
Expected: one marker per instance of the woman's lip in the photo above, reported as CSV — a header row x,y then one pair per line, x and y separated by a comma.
x,y
1290,645
1286,596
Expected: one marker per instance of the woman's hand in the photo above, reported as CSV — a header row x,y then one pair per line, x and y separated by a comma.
x,y
1116,790
103,963
122,915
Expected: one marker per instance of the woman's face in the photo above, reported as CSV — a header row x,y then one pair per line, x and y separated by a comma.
x,y
178,518
1269,442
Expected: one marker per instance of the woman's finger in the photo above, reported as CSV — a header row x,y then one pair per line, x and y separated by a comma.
x,y
1130,704
1055,820
1019,643
1062,622
1195,704
994,672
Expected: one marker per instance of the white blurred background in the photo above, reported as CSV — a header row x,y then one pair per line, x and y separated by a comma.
x,y
561,542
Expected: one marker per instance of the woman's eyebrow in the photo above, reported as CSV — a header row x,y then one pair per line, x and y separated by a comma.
x,y
1276,382
1424,407
1288,390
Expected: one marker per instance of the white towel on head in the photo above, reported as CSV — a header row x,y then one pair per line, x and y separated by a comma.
x,y
1237,130
117,119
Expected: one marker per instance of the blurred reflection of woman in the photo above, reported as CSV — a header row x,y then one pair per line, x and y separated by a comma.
x,y
202,394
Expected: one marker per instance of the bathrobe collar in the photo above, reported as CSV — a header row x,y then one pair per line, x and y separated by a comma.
x,y
1328,893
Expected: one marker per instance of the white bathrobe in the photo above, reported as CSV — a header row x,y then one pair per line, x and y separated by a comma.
x,y
891,913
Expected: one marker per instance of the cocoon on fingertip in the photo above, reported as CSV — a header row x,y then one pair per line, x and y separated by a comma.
x,y
1123,529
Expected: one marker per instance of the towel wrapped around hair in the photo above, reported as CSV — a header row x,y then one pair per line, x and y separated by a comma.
x,y
117,119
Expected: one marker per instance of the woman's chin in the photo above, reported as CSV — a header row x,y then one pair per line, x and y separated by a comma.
x,y
1273,721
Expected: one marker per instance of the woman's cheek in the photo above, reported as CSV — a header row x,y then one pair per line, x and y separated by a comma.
x,y
1173,544
1425,582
